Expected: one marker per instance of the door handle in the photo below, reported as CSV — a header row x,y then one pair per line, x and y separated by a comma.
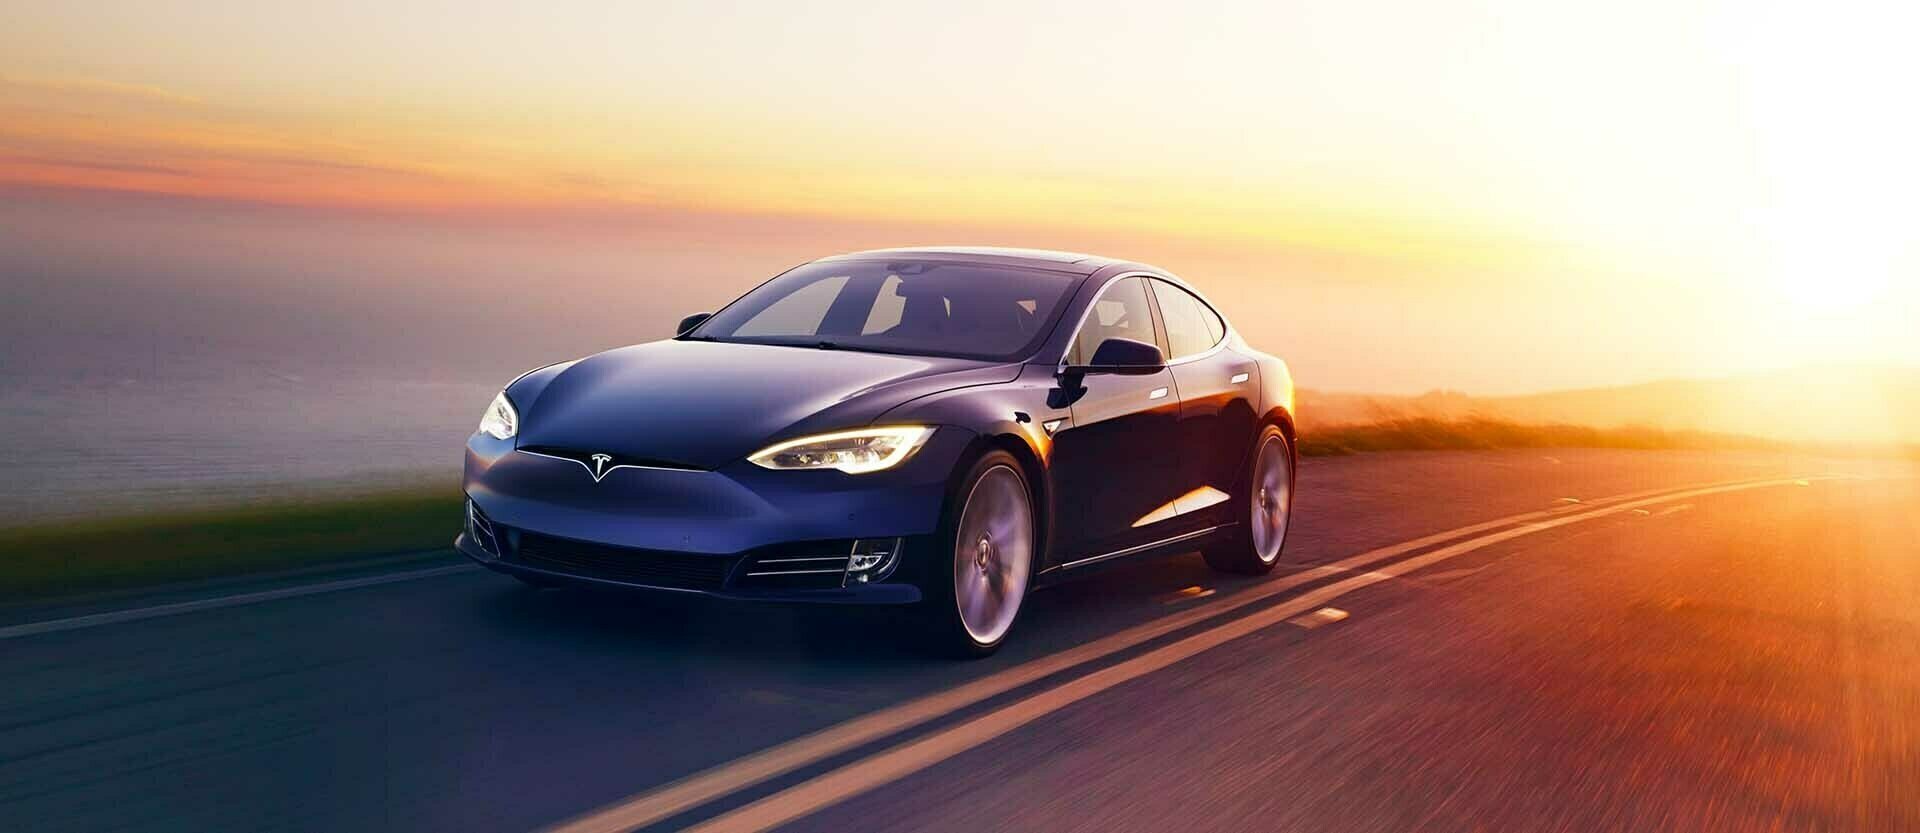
x,y
1158,393
1237,378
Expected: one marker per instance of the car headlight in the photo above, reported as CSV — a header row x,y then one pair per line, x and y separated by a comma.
x,y
501,421
853,452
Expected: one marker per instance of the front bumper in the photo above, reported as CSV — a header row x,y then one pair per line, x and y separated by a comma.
x,y
881,593
704,532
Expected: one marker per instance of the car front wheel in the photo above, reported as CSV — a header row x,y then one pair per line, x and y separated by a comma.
x,y
979,580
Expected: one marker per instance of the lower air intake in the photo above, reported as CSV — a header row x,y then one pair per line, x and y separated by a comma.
x,y
652,568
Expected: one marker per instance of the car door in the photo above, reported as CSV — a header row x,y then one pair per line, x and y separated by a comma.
x,y
1114,464
1218,389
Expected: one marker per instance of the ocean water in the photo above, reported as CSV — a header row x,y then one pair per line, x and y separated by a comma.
x,y
159,353
91,446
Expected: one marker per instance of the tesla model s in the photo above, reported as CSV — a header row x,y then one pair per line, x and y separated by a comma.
x,y
942,428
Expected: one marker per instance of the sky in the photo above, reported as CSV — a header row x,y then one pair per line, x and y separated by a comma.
x,y
1493,196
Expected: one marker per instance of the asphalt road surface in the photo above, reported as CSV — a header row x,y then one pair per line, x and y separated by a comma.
x,y
1537,641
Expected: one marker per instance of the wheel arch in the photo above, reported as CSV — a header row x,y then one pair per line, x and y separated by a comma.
x,y
1282,417
1031,467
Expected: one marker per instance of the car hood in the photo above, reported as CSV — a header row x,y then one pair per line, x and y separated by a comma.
x,y
704,404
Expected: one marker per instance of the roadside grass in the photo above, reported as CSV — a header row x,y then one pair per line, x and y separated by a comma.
x,y
77,557
1429,434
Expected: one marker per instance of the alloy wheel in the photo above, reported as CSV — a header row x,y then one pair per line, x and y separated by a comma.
x,y
992,553
1272,498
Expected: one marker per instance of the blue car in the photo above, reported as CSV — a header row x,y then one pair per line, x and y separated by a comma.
x,y
940,428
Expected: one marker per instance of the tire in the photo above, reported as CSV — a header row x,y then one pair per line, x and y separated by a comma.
x,y
1260,535
977,581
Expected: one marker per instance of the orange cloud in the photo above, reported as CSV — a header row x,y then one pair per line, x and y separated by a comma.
x,y
109,136
98,88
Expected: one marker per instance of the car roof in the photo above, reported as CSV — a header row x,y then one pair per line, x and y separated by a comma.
x,y
1081,264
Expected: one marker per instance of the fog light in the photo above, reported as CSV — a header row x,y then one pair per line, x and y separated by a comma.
x,y
873,558
481,530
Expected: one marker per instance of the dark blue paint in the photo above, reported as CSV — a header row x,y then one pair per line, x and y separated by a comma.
x,y
698,408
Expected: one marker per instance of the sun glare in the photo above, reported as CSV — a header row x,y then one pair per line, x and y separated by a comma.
x,y
1834,228
1835,272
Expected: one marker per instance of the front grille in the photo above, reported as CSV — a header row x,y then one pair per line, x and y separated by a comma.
x,y
624,564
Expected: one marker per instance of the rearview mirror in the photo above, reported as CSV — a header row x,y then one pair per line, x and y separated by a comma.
x,y
1124,357
691,322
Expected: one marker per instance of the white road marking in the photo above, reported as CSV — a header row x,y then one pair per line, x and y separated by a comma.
x,y
1323,616
901,761
115,617
699,788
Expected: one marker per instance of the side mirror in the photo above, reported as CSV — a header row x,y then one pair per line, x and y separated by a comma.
x,y
691,322
1123,357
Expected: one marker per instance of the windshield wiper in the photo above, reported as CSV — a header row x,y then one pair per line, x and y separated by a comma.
x,y
828,344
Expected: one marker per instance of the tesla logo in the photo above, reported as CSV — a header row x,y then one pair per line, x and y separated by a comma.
x,y
600,462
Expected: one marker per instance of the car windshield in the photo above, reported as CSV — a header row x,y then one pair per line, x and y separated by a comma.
x,y
913,307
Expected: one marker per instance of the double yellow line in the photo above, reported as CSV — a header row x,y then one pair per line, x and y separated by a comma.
x,y
896,762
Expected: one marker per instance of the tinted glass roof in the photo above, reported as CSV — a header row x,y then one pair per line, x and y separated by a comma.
x,y
1043,258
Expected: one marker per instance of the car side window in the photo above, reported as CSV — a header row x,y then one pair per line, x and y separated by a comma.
x,y
1192,326
1122,311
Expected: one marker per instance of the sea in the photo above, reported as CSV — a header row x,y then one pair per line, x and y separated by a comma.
x,y
95,446
158,355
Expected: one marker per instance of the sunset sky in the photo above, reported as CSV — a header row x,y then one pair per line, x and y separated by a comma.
x,y
1496,196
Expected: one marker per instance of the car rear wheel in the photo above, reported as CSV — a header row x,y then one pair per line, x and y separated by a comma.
x,y
978,582
1261,532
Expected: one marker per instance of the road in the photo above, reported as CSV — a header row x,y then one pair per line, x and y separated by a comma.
x,y
1516,640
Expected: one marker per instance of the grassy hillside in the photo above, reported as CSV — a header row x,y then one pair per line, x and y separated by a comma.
x,y
1424,433
1830,404
144,550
